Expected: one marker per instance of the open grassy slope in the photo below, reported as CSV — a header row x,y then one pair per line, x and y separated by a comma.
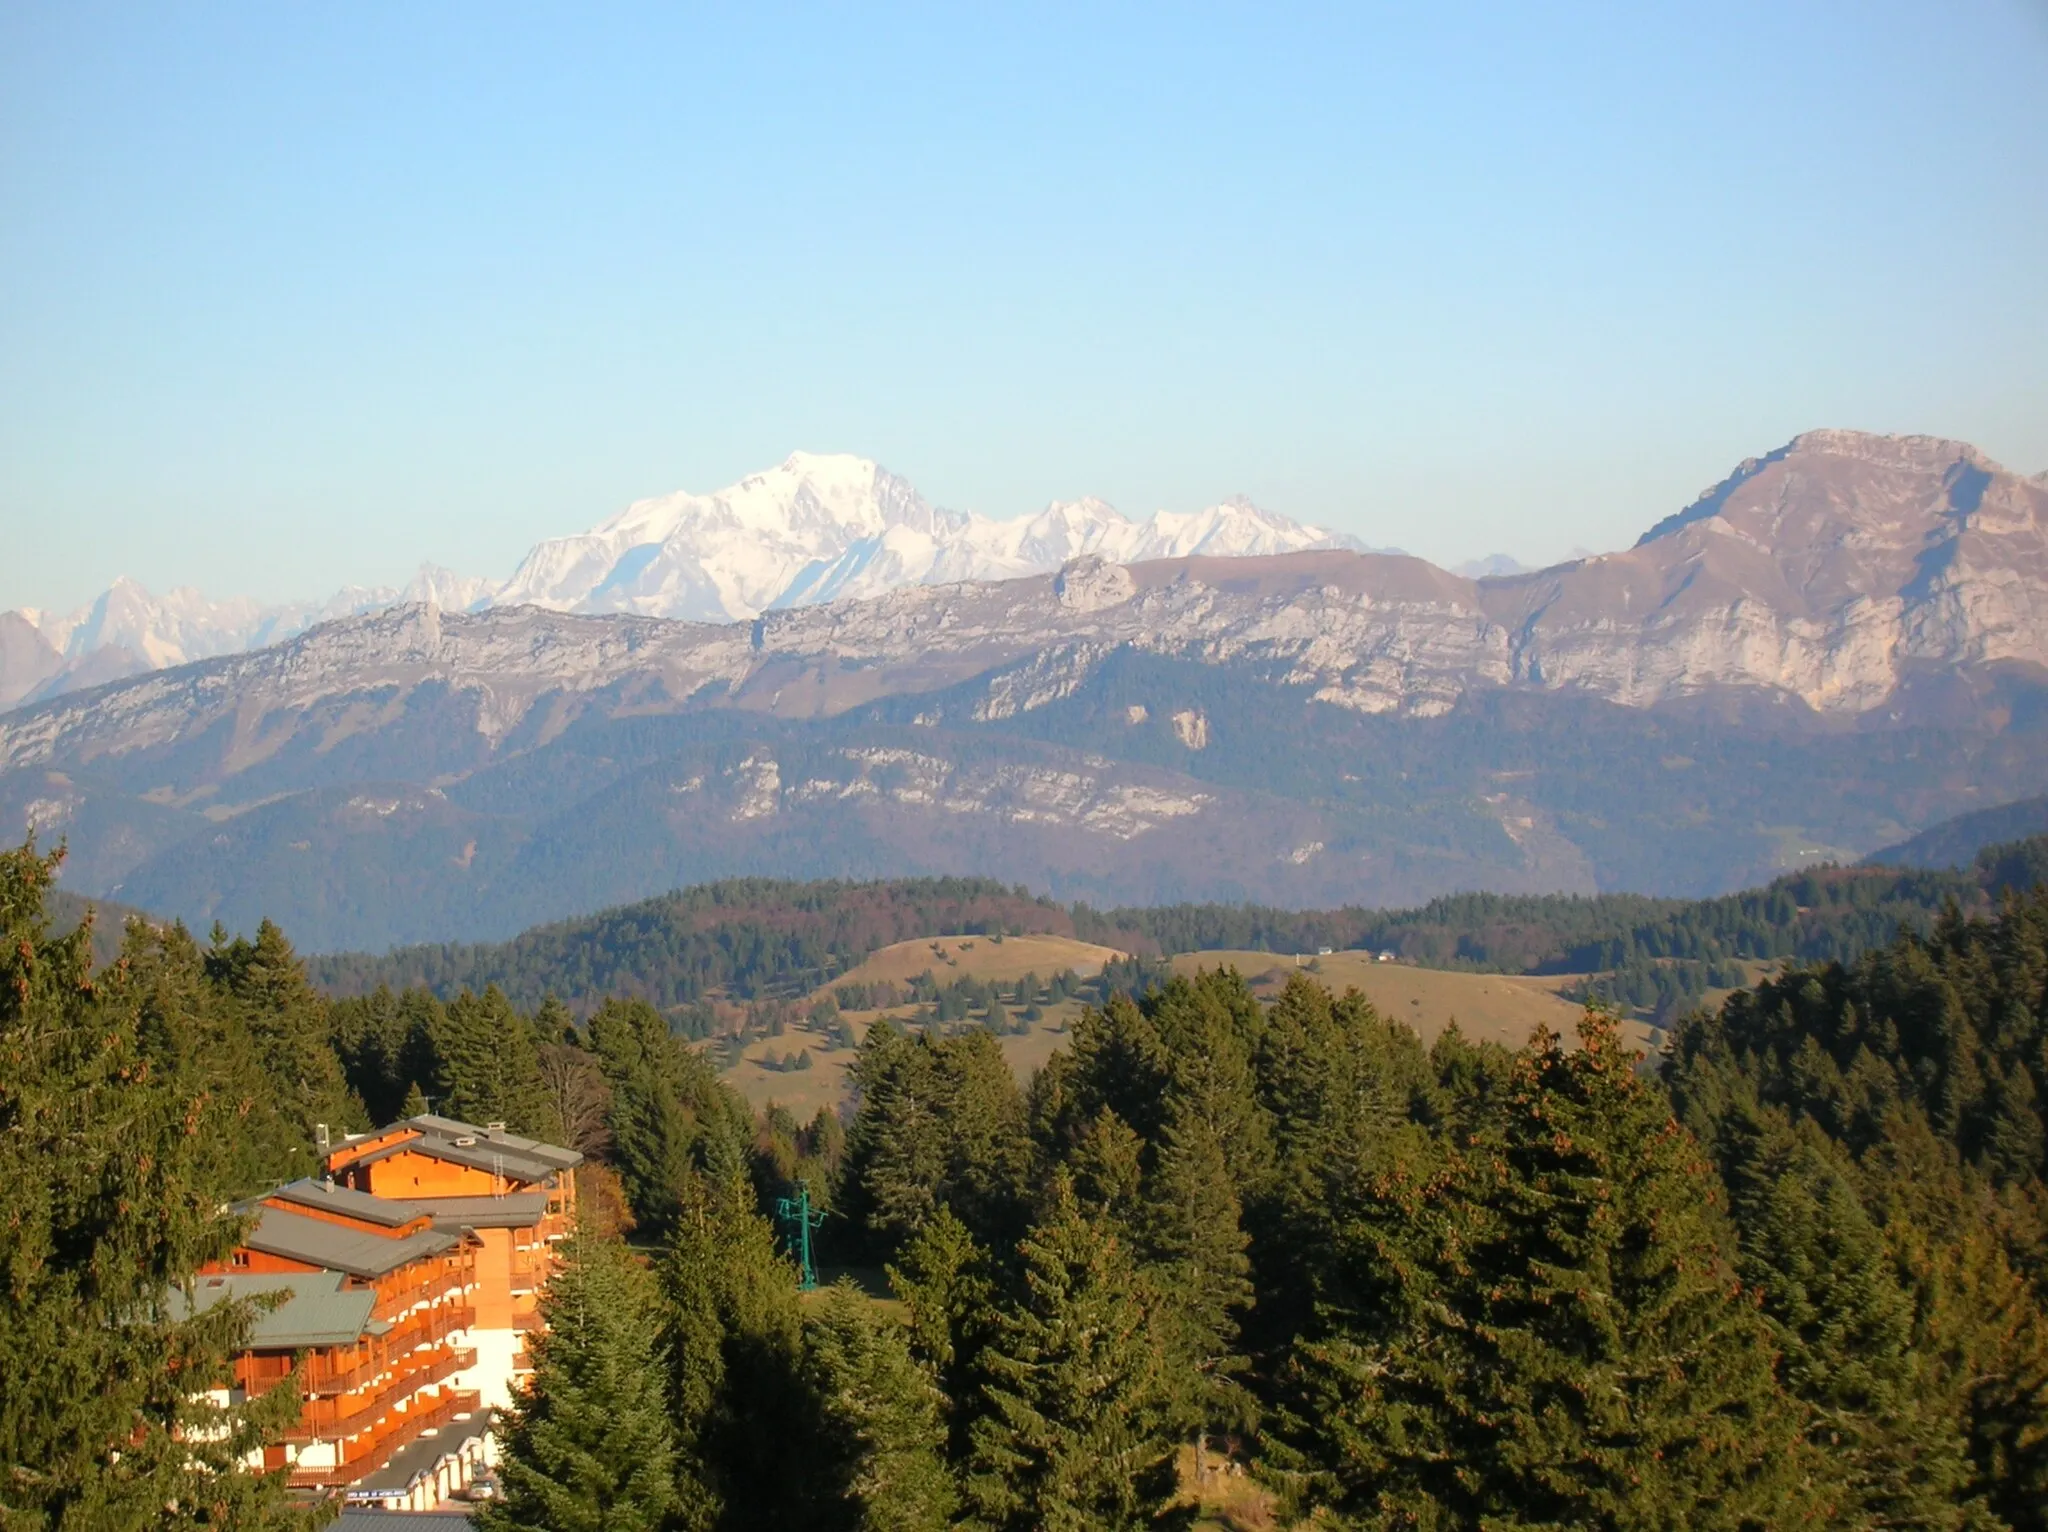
x,y
997,959
1502,1008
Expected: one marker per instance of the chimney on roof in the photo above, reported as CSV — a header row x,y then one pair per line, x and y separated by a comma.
x,y
320,1136
494,1127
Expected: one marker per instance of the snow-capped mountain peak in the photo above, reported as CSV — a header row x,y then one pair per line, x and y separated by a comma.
x,y
819,526
827,527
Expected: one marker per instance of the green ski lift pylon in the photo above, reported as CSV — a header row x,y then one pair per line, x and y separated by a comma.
x,y
798,1219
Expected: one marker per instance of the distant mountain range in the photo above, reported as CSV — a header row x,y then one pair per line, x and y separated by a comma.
x,y
1841,643
818,528
127,631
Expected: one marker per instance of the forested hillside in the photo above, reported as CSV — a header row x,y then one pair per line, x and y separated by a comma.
x,y
1281,1257
757,939
1956,842
745,937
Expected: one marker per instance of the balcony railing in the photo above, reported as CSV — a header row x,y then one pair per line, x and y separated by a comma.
x,y
351,1414
344,1371
373,1452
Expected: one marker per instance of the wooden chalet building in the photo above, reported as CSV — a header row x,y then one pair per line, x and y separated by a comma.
x,y
412,1274
513,1196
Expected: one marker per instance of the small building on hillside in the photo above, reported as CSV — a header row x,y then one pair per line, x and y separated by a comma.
x,y
514,1196
411,1276
377,1308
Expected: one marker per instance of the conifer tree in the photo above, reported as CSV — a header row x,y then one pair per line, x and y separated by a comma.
x,y
1555,1336
944,1278
1980,1339
881,1422
1211,1028
1844,1327
1193,1243
1076,1433
489,1066
1342,1085
367,1034
941,1124
1107,1166
190,1029
746,1418
287,1021
669,1117
591,1446
110,1200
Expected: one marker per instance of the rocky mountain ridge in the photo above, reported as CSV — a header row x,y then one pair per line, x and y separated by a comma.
x,y
819,527
1839,644
1829,574
126,630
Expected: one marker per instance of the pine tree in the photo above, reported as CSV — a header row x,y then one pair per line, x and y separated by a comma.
x,y
1107,1167
1554,1336
941,1124
882,1422
1076,1433
110,1199
747,1432
265,981
1344,1088
1980,1339
591,1447
1193,1245
1844,1327
489,1066
669,1117
943,1277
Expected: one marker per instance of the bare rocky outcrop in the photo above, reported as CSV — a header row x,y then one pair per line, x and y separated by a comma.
x,y
1823,573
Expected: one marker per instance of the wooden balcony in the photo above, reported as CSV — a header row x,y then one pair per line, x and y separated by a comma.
x,y
349,1415
341,1371
424,1281
367,1454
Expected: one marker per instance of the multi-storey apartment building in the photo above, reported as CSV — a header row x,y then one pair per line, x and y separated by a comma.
x,y
512,1196
411,1276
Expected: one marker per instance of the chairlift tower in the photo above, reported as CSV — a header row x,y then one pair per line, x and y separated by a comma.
x,y
798,1218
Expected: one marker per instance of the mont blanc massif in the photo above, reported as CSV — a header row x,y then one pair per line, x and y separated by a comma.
x,y
817,673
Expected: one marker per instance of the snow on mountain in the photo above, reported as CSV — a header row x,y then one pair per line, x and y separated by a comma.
x,y
819,527
828,527
127,630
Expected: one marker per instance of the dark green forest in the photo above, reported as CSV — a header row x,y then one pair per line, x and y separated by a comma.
x,y
757,939
1792,1273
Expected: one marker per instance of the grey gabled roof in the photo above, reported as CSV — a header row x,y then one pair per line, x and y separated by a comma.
x,y
317,1311
497,1140
385,1211
319,1243
492,1150
514,1210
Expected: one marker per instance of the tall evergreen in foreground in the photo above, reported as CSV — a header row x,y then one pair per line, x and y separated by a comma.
x,y
591,1447
1077,1432
1553,1335
880,1417
745,1413
109,1200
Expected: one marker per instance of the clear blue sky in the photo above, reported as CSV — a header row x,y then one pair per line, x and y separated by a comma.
x,y
293,295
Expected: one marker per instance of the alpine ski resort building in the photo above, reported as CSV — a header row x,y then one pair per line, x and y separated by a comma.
x,y
411,1272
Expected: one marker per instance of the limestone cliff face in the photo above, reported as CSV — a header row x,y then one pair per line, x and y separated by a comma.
x,y
1824,572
